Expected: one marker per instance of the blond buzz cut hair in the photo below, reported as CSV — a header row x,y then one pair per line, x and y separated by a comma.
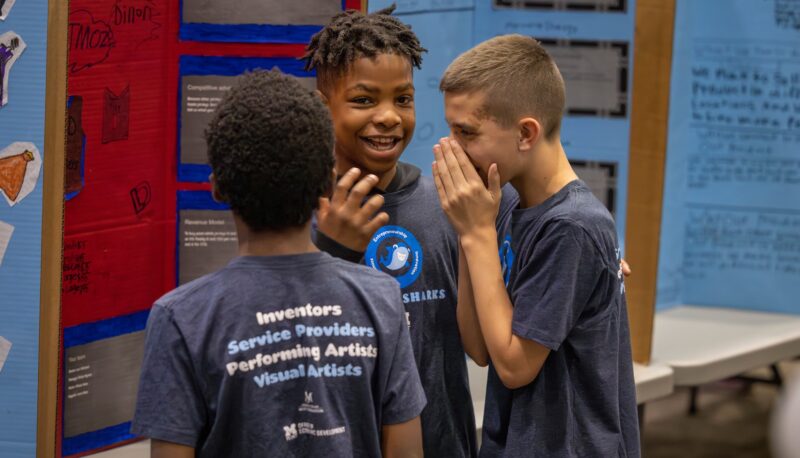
x,y
518,78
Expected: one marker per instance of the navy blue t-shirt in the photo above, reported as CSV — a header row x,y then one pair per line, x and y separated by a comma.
x,y
419,248
566,286
299,355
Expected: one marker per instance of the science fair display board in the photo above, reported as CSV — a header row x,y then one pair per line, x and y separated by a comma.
x,y
144,79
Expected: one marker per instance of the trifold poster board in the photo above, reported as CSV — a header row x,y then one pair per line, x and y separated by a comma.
x,y
144,79
731,223
28,221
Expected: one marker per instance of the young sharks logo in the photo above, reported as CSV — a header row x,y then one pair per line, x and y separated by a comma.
x,y
395,251
397,257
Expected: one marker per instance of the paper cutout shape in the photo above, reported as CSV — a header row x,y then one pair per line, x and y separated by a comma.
x,y
116,110
76,147
5,236
11,46
20,164
12,173
5,8
5,348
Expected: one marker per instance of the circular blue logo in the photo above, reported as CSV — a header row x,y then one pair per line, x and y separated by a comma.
x,y
395,251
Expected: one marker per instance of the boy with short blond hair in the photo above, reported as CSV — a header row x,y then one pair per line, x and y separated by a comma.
x,y
555,329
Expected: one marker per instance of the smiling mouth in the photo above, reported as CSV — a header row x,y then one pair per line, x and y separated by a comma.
x,y
381,143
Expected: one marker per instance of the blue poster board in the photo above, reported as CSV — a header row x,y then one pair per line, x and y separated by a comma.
x,y
730,233
23,43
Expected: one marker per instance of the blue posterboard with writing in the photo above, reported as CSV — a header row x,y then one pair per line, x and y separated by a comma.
x,y
731,218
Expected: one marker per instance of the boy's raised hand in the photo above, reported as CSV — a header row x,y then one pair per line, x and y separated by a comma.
x,y
469,204
345,217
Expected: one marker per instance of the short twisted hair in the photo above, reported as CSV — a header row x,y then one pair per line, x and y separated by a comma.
x,y
352,35
270,145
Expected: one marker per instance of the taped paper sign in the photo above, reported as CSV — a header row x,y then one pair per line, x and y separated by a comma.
x,y
20,164
5,236
5,347
5,8
11,46
76,147
569,5
601,177
116,112
296,12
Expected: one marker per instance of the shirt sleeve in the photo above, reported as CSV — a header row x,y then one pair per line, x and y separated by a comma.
x,y
169,406
403,398
554,284
509,200
336,249
332,247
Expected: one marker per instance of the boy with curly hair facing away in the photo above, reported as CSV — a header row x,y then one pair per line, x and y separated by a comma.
x,y
286,351
556,329
391,219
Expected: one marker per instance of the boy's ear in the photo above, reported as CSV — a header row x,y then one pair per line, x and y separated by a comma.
x,y
215,193
530,132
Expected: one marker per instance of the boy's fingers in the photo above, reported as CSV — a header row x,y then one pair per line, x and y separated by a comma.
x,y
380,220
443,171
626,268
343,186
372,205
494,182
463,161
360,190
323,206
452,163
437,180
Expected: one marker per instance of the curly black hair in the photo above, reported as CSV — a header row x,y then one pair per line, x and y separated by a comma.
x,y
270,145
351,35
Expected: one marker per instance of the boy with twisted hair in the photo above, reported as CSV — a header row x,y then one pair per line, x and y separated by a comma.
x,y
391,219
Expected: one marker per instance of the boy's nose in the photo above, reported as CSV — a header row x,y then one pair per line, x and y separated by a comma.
x,y
387,118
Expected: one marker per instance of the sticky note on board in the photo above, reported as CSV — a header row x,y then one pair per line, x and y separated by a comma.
x,y
5,348
5,236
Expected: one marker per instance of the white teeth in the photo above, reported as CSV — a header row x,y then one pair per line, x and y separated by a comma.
x,y
381,143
